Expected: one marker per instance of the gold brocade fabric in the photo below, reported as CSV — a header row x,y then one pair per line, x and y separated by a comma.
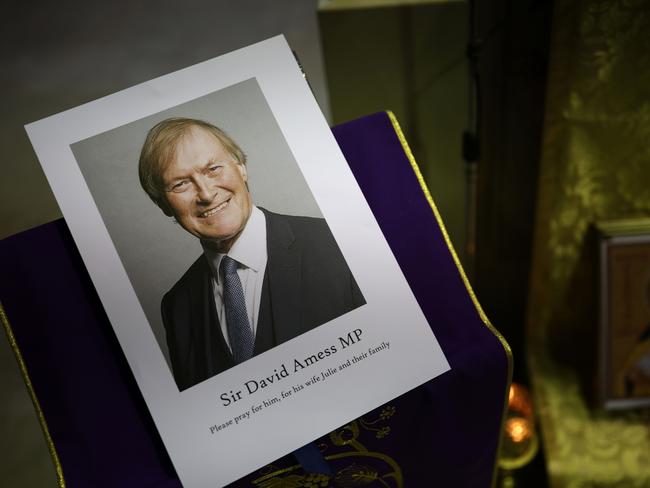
x,y
595,166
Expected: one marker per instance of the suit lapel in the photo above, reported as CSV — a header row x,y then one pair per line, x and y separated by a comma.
x,y
283,267
207,337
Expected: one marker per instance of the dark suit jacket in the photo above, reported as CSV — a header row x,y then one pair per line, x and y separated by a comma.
x,y
306,283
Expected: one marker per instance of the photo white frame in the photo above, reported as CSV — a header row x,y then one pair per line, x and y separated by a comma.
x,y
391,319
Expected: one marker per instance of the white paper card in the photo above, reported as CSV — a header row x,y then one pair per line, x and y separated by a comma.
x,y
357,337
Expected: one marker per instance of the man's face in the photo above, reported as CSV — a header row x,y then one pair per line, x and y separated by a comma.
x,y
206,189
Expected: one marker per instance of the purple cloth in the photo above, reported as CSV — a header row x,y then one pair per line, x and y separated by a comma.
x,y
443,433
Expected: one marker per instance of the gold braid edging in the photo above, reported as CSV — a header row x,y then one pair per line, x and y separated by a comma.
x,y
32,394
459,266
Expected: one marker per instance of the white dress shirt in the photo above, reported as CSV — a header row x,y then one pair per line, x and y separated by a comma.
x,y
249,250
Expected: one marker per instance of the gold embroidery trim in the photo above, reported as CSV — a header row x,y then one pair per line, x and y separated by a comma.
x,y
461,271
396,474
32,394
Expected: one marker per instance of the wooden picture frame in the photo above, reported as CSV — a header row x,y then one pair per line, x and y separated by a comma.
x,y
624,313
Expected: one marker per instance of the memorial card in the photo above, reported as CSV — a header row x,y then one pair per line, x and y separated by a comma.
x,y
246,279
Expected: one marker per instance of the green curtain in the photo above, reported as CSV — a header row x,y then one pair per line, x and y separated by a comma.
x,y
595,166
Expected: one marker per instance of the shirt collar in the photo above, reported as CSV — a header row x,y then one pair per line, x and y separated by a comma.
x,y
249,250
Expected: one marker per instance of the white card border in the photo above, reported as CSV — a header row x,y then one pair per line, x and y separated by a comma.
x,y
414,356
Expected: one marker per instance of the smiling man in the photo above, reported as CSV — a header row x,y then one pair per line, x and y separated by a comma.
x,y
263,278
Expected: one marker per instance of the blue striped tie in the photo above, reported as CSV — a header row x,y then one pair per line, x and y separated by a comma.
x,y
239,329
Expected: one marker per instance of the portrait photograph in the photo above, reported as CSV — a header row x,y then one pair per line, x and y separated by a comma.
x,y
201,188
243,273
